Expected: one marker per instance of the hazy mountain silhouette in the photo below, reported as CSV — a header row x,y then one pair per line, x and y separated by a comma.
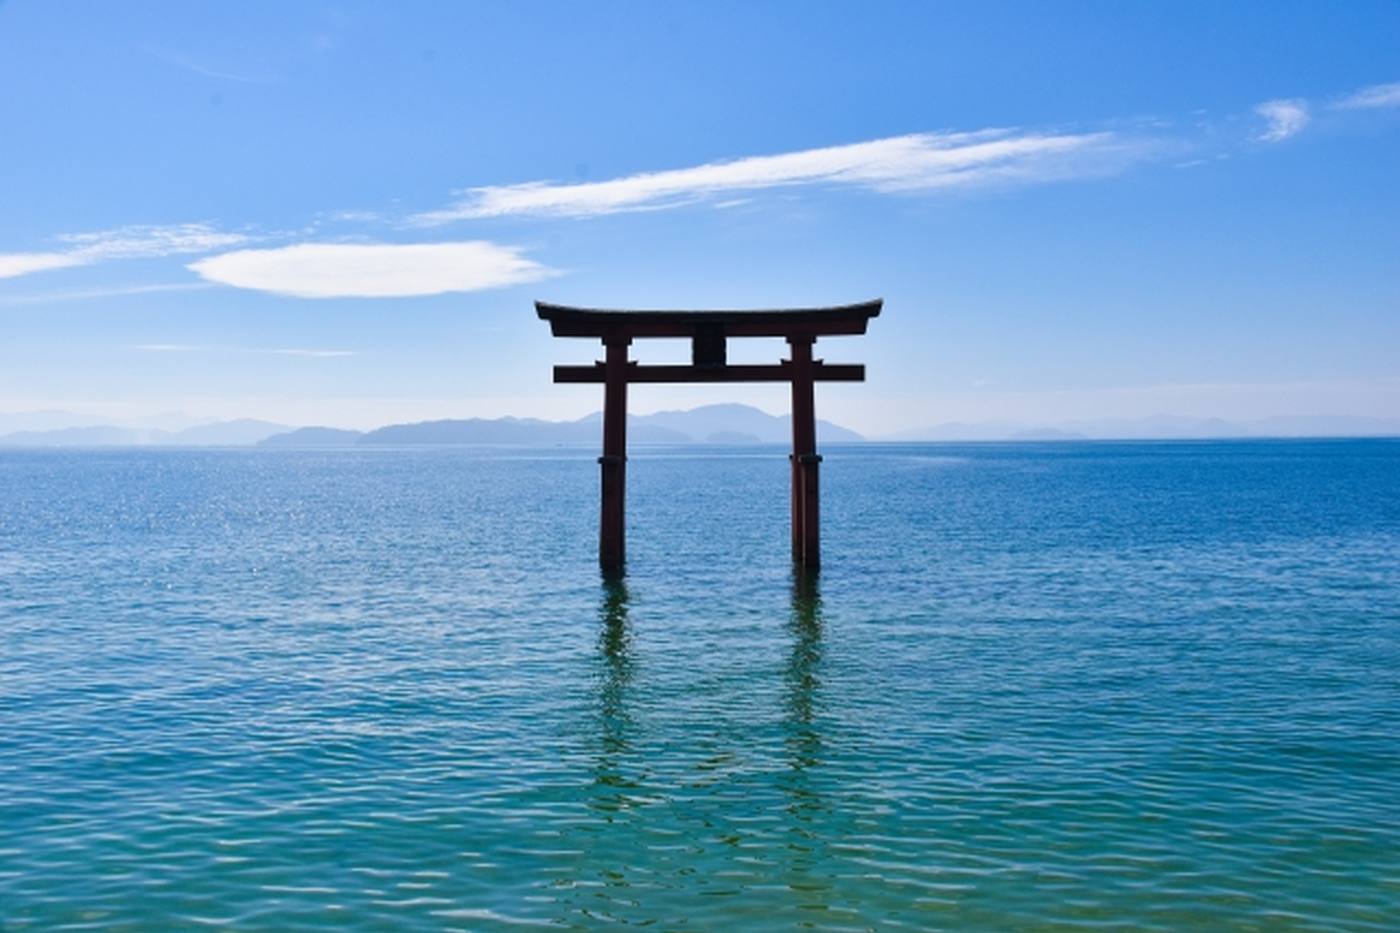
x,y
715,424
1159,427
54,419
237,433
718,424
530,431
87,436
240,433
313,437
709,424
35,422
732,423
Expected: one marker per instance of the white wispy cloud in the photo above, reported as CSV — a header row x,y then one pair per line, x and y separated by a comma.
x,y
84,294
208,71
1285,117
201,348
373,270
1377,95
351,216
921,161
131,242
15,264
142,241
915,162
317,354
918,162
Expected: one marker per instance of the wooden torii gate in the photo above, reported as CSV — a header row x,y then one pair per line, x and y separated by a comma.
x,y
708,331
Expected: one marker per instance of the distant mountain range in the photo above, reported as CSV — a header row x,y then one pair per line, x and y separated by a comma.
x,y
710,424
238,433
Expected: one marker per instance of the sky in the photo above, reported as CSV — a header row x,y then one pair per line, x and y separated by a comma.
x,y
341,213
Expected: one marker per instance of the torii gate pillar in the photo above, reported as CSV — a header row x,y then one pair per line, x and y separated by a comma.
x,y
806,536
708,332
611,535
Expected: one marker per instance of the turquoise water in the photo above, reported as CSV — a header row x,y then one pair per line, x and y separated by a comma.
x,y
1037,686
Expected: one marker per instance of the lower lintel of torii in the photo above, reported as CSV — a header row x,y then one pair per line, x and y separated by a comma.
x,y
779,372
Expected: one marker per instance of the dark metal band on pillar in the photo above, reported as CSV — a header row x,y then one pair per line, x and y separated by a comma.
x,y
612,524
806,531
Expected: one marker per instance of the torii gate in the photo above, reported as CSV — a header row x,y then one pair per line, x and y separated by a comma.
x,y
708,331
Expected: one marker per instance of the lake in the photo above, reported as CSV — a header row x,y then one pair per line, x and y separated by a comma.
x,y
1035,686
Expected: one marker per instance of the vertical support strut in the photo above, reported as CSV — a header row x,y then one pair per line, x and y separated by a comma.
x,y
806,532
611,527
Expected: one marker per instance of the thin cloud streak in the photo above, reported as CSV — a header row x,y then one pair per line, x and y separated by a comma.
x,y
373,270
280,351
130,242
17,264
188,64
317,354
1377,95
917,162
85,294
139,242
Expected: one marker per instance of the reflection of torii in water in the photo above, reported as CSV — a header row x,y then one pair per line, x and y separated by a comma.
x,y
618,795
708,331
802,682
800,676
614,640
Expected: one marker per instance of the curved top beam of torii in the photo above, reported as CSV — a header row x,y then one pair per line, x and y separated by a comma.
x,y
565,321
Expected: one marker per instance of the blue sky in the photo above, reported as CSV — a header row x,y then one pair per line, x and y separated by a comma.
x,y
340,213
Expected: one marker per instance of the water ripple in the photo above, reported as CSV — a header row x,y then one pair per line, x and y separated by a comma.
x,y
1038,687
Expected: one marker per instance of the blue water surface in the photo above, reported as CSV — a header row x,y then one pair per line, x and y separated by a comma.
x,y
1035,686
